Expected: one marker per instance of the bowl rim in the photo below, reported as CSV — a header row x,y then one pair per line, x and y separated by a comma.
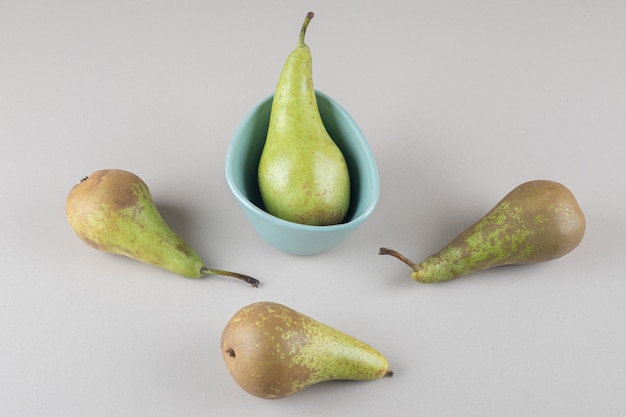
x,y
371,167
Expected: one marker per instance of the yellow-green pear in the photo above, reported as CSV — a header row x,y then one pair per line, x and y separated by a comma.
x,y
273,351
303,176
112,210
537,221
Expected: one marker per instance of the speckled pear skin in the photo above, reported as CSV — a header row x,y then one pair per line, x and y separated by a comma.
x,y
112,210
303,176
537,221
273,351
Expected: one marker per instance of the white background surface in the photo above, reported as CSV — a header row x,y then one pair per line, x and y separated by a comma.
x,y
460,101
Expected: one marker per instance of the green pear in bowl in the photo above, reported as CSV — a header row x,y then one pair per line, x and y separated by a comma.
x,y
112,210
537,221
303,176
273,351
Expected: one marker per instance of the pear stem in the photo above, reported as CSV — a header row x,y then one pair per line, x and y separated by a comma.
x,y
307,20
387,251
252,281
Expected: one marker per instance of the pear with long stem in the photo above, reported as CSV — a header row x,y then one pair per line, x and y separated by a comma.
x,y
112,210
538,221
303,176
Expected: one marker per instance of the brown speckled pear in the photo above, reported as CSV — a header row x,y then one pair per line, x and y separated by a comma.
x,y
303,176
536,222
112,210
273,351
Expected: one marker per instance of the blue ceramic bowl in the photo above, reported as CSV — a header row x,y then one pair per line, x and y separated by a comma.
x,y
242,161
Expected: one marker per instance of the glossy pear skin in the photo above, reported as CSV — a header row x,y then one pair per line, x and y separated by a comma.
x,y
112,210
303,176
538,221
273,351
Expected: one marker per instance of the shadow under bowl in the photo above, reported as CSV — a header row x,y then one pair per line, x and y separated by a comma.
x,y
242,161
